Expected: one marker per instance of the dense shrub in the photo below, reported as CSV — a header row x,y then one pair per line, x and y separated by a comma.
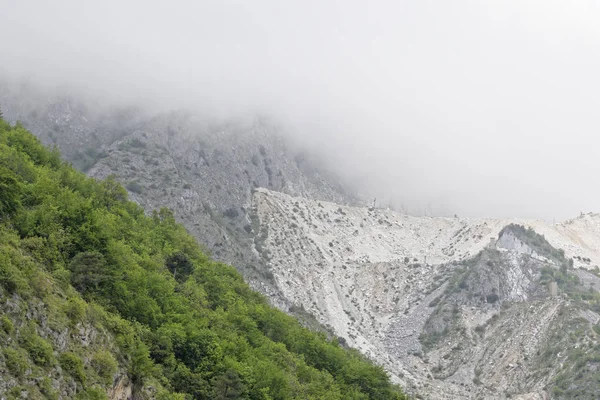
x,y
105,365
40,351
72,364
75,309
16,361
6,325
92,393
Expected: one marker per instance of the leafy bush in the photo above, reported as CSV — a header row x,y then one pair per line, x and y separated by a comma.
x,y
11,279
75,309
16,361
92,393
39,349
62,276
46,388
105,365
6,325
72,364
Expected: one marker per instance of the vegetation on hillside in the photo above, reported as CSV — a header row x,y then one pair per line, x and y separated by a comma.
x,y
538,243
185,325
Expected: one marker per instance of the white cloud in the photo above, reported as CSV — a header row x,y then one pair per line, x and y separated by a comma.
x,y
479,108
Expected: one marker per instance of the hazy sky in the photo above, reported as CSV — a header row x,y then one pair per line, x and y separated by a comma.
x,y
469,107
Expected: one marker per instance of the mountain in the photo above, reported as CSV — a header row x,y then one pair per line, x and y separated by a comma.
x,y
203,170
99,300
453,308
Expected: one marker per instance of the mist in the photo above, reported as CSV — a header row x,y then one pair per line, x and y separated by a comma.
x,y
465,107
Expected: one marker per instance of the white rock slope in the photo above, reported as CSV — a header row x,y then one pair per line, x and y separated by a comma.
x,y
371,275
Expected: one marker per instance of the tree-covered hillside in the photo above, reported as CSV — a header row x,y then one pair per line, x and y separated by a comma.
x,y
95,295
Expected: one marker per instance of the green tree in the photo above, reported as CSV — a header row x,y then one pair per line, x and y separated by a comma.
x,y
9,192
228,386
89,272
180,266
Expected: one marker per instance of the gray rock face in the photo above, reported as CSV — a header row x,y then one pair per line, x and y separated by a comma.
x,y
509,241
83,339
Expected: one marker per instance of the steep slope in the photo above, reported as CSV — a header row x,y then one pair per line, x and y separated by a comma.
x,y
100,300
206,174
497,325
53,344
386,283
204,171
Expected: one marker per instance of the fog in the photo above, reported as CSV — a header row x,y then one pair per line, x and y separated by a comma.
x,y
475,108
